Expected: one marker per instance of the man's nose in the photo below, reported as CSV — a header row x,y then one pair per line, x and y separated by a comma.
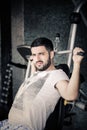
x,y
37,57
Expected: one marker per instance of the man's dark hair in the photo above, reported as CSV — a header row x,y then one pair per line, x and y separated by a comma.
x,y
42,41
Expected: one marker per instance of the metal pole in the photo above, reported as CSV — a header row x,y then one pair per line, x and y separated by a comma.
x,y
72,34
28,70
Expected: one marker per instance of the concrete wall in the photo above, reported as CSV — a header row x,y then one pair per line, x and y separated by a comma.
x,y
17,28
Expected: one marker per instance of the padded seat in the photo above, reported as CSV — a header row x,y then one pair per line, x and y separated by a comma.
x,y
56,119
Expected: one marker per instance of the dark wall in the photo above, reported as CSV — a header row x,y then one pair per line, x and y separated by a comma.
x,y
46,18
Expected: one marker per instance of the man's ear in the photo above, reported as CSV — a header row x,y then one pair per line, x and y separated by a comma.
x,y
52,54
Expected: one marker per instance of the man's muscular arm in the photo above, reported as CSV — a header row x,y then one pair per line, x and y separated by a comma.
x,y
69,89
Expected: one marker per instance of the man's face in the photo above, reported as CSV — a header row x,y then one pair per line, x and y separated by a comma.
x,y
41,58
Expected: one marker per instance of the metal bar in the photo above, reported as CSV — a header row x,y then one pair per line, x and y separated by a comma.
x,y
72,34
71,42
28,70
64,52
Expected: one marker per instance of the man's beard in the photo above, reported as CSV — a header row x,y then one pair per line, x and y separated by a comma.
x,y
45,66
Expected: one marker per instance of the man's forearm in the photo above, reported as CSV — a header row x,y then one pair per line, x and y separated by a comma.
x,y
74,83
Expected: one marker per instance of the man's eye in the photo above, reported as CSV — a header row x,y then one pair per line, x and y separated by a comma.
x,y
41,53
33,55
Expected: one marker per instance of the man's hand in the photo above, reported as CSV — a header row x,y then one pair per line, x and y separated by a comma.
x,y
33,69
78,55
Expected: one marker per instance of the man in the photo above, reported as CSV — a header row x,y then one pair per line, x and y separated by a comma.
x,y
38,95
